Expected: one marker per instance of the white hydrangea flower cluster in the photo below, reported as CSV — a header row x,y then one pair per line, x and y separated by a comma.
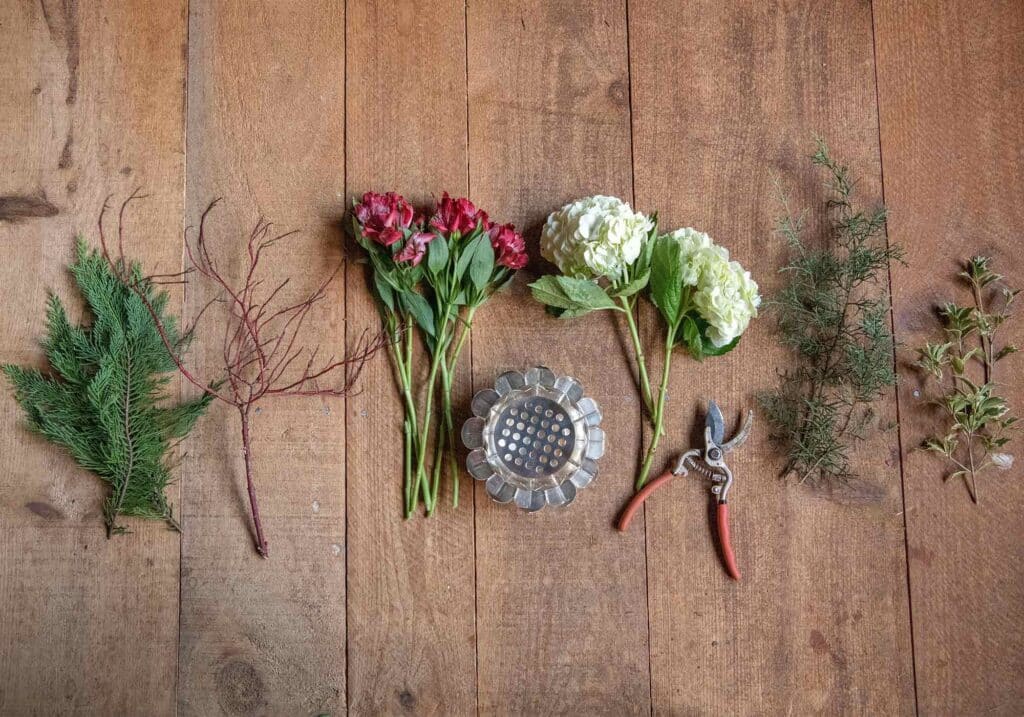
x,y
594,237
726,297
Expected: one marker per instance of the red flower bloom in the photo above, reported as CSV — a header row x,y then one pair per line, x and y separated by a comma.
x,y
415,248
456,215
383,216
509,245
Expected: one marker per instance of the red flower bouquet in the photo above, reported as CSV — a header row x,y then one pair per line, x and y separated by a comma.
x,y
432,271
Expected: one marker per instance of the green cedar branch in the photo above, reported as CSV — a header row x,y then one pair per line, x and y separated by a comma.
x,y
105,398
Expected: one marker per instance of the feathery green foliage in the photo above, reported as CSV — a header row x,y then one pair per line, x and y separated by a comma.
x,y
101,402
833,314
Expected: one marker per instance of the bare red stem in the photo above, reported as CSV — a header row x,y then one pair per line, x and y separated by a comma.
x,y
261,541
261,342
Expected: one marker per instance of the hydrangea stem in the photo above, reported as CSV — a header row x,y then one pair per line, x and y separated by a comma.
x,y
659,411
641,358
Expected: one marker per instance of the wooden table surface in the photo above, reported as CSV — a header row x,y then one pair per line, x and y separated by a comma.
x,y
892,594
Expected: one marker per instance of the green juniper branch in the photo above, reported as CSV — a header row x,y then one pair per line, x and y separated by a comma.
x,y
103,401
833,314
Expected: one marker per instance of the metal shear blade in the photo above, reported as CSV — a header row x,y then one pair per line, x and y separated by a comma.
x,y
715,422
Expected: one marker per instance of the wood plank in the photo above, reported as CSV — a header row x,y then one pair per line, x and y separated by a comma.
x,y
91,100
561,603
724,103
411,583
266,132
950,97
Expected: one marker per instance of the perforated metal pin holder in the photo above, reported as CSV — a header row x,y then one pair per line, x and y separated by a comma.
x,y
534,438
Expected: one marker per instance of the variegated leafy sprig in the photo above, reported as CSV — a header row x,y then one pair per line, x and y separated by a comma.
x,y
978,417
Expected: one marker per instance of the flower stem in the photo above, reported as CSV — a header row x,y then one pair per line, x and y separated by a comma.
x,y
407,464
641,359
444,447
467,327
439,450
445,444
437,359
659,411
402,356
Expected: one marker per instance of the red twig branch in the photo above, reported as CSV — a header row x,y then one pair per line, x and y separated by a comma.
x,y
263,353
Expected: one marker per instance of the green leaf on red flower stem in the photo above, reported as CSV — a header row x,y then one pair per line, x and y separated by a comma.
x,y
437,255
481,266
384,290
502,278
382,268
465,253
420,310
666,283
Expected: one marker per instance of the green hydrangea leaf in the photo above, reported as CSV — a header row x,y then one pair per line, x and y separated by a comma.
x,y
666,280
573,297
633,286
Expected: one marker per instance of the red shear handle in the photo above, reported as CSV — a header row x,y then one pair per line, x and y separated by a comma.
x,y
723,536
634,505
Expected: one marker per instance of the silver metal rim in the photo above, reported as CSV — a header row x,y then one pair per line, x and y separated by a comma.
x,y
556,482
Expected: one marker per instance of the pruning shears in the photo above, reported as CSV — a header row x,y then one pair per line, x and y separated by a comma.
x,y
709,463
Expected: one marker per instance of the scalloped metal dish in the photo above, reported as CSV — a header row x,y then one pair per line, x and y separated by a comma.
x,y
534,438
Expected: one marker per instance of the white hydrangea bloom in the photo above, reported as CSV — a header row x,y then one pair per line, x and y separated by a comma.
x,y
697,252
594,237
725,295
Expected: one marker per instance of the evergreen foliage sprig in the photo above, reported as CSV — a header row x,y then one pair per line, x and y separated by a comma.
x,y
979,418
104,401
833,314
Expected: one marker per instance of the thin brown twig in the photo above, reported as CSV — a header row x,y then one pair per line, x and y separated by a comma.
x,y
254,334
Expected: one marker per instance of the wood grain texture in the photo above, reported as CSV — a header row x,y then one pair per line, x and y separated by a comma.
x,y
487,609
266,132
561,603
411,639
91,98
724,104
950,93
